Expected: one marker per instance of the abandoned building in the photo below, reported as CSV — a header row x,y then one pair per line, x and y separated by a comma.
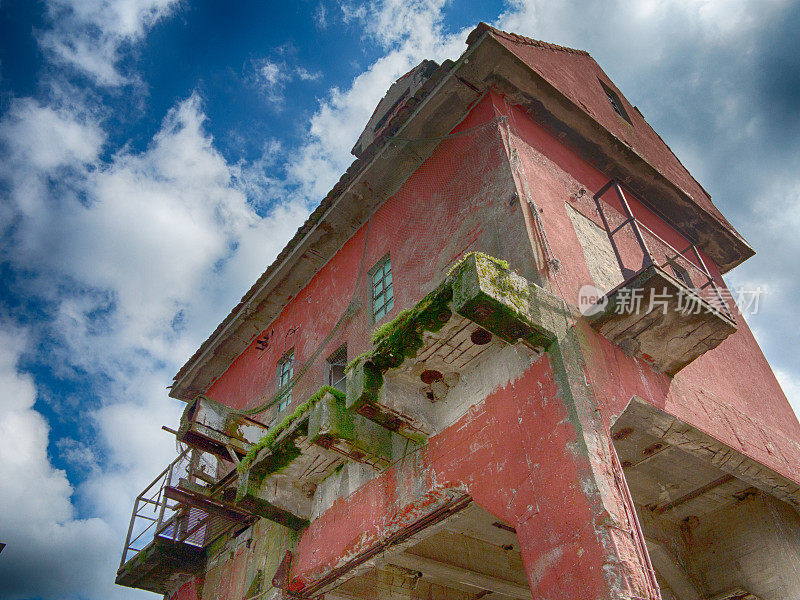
x,y
497,361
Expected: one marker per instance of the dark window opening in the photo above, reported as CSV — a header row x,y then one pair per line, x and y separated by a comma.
x,y
615,102
284,380
681,274
336,364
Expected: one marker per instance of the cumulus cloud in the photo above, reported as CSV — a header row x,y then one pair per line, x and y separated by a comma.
x,y
92,242
134,258
410,32
92,36
47,547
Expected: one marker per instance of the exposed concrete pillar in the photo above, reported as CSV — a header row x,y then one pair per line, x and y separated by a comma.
x,y
581,538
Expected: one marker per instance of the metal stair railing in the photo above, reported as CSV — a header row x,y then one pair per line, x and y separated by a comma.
x,y
157,515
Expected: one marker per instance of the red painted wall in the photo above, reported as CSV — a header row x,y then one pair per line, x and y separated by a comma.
x,y
457,201
528,476
729,392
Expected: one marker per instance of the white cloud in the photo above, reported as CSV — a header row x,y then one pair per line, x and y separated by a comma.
x,y
92,35
130,246
410,32
137,243
272,76
46,138
48,548
306,75
321,16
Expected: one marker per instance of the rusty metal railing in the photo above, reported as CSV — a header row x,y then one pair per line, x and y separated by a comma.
x,y
164,510
686,265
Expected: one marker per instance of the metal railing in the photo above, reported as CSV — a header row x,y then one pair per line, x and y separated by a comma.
x,y
167,512
686,265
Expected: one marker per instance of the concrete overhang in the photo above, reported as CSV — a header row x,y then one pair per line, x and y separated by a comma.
x,y
410,137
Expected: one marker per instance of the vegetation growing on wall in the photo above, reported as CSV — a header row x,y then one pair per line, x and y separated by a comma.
x,y
401,337
272,435
393,342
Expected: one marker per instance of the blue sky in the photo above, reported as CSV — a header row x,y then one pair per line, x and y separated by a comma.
x,y
155,155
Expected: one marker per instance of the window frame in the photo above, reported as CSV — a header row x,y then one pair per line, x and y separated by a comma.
x,y
681,274
340,356
283,377
388,305
615,101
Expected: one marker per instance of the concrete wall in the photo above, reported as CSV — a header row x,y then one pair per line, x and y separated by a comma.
x,y
753,545
749,546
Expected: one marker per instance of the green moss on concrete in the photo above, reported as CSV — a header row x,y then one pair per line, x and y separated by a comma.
x,y
504,303
332,425
216,546
507,296
269,439
355,361
401,337
503,264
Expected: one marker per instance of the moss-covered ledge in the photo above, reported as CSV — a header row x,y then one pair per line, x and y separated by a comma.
x,y
321,433
480,288
505,303
332,426
273,452
291,424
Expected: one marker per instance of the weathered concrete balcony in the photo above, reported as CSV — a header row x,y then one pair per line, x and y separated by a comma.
x,y
418,357
422,354
174,520
669,311
213,427
278,477
656,317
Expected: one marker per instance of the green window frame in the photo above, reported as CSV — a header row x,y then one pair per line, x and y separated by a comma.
x,y
284,379
382,288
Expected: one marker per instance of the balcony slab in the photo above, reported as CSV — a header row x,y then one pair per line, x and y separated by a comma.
x,y
669,326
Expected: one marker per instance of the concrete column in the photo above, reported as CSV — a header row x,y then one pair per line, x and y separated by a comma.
x,y
580,538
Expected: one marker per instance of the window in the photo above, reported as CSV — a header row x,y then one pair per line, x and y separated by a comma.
x,y
285,374
615,101
382,292
681,274
337,362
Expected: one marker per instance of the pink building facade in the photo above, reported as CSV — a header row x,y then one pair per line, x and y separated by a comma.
x,y
499,360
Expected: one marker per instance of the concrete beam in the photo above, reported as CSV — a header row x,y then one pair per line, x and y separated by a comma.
x,y
446,573
655,422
